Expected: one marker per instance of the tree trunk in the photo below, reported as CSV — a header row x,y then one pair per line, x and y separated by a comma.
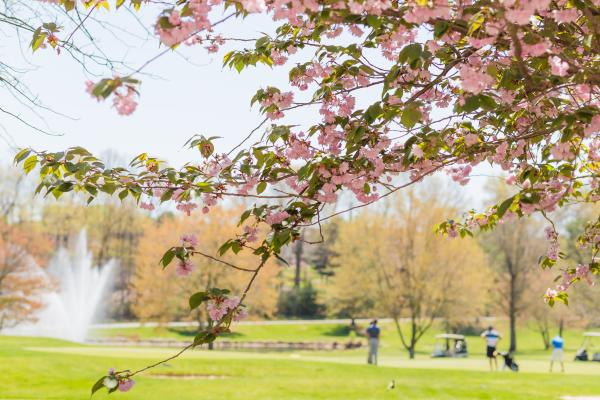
x,y
512,313
561,326
545,337
298,249
513,331
413,338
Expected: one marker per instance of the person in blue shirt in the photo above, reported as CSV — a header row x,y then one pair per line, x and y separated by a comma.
x,y
557,352
373,336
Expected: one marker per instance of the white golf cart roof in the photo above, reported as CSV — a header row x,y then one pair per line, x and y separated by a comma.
x,y
455,336
591,334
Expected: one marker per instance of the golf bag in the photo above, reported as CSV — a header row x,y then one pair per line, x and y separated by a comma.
x,y
582,355
509,362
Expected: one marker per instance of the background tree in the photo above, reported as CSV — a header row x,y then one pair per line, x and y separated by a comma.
x,y
322,254
514,248
351,292
407,271
113,233
150,280
22,248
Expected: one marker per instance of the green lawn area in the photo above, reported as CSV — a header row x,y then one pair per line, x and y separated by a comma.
x,y
282,332
529,341
34,368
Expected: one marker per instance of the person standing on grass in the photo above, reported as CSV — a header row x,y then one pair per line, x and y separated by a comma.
x,y
373,336
492,337
557,352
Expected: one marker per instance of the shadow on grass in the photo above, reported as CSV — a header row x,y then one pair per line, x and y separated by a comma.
x,y
191,332
342,330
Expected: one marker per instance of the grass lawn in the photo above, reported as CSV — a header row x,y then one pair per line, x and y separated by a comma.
x,y
34,368
529,343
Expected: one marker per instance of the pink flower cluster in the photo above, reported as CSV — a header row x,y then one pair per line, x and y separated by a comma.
x,y
189,240
124,97
311,74
558,67
251,233
460,173
220,306
125,103
179,29
122,382
520,12
275,101
276,218
581,273
340,105
184,267
562,151
474,80
552,238
125,385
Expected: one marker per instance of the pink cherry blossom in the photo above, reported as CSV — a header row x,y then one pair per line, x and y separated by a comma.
x,y
189,240
253,6
276,218
126,385
562,151
186,207
125,104
558,67
146,206
251,233
184,268
550,294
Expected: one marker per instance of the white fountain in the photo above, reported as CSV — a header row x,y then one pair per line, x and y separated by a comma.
x,y
69,311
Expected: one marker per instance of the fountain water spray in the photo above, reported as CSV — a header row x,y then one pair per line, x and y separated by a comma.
x,y
69,311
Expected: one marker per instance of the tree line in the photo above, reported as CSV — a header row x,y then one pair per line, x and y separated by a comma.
x,y
386,261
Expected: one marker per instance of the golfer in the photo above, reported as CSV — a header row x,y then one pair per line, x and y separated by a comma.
x,y
373,335
557,352
492,337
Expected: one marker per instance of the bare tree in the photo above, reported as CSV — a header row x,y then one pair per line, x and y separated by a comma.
x,y
399,265
514,248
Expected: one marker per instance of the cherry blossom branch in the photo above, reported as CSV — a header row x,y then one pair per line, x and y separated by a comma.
x,y
223,262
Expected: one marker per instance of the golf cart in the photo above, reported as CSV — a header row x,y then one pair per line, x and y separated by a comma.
x,y
449,345
582,353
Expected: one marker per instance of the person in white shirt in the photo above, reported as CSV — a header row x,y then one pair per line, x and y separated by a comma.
x,y
492,337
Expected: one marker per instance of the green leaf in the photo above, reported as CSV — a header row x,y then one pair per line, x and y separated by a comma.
x,y
223,249
261,187
471,104
374,111
109,188
475,22
38,39
245,216
98,385
440,28
22,155
410,53
167,257
410,117
30,164
198,298
502,208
